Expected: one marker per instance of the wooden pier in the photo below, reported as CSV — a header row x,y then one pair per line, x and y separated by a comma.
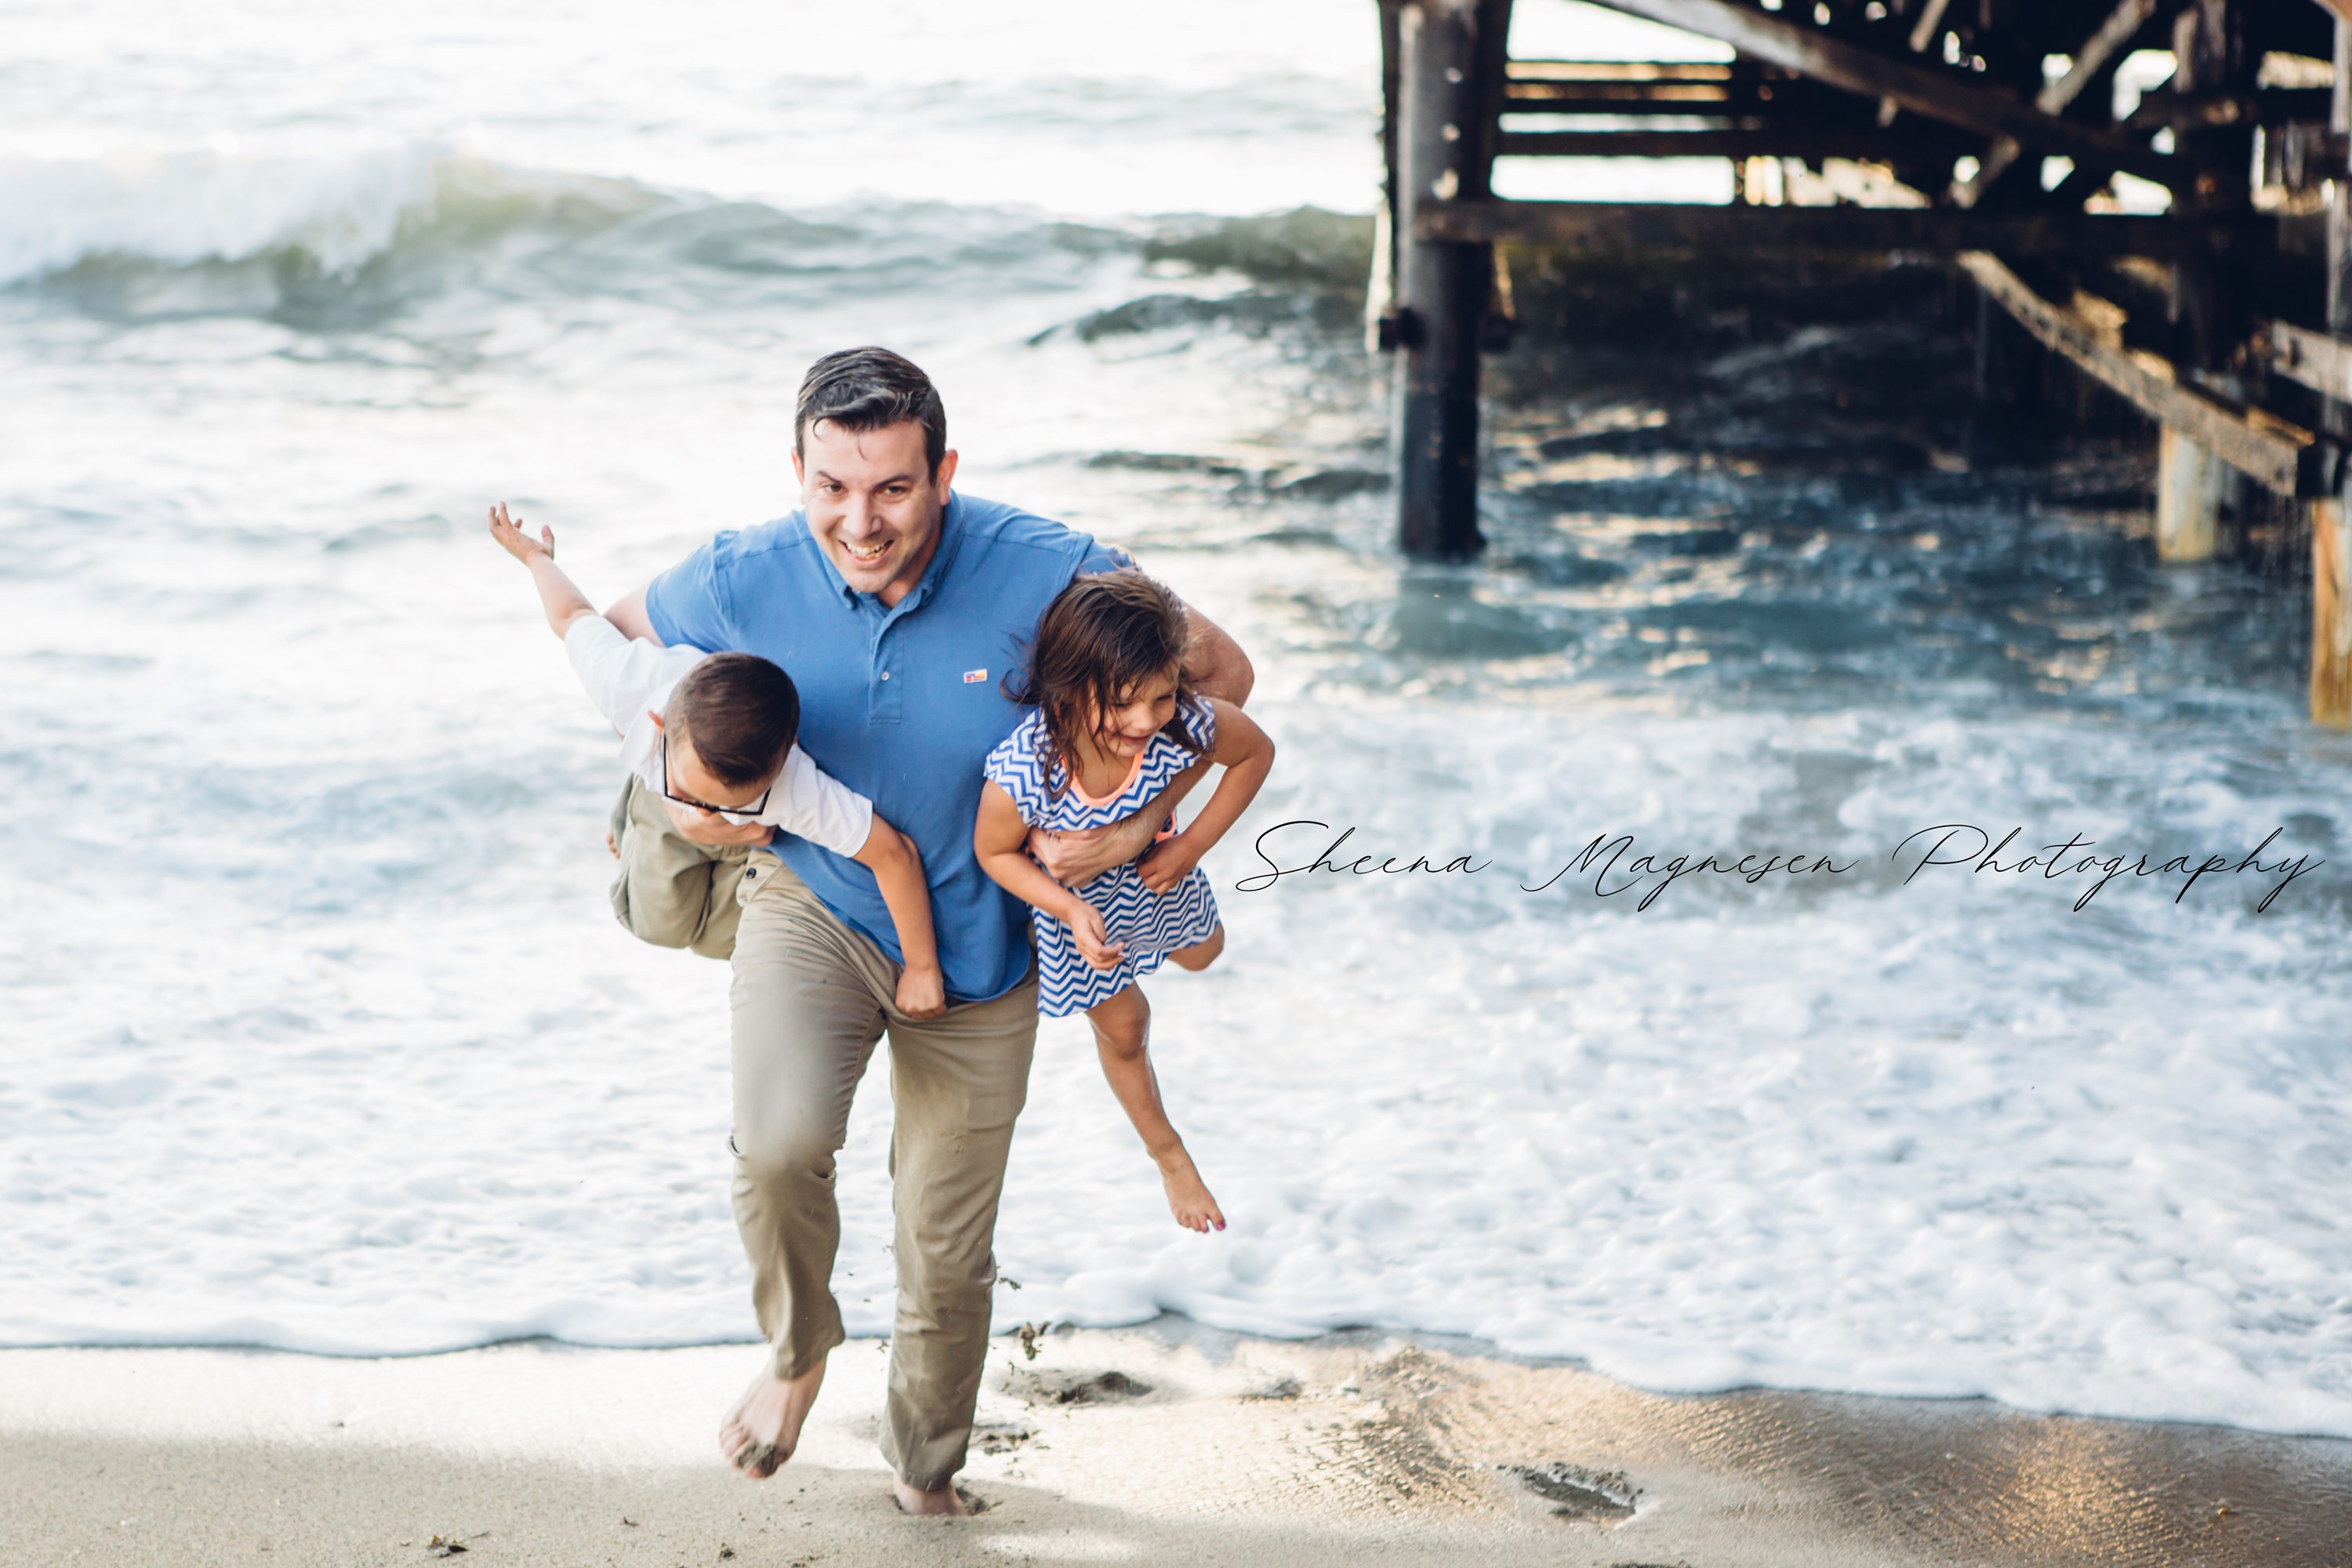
x,y
2192,255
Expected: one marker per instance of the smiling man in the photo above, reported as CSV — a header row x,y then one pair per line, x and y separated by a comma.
x,y
896,606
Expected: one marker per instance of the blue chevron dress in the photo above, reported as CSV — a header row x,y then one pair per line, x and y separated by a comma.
x,y
1152,925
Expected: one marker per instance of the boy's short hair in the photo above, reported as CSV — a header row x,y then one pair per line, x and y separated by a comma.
x,y
740,713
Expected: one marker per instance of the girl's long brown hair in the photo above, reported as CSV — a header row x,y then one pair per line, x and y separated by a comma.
x,y
1101,636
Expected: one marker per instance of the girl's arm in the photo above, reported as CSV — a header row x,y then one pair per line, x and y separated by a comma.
x,y
897,870
996,838
563,602
1246,754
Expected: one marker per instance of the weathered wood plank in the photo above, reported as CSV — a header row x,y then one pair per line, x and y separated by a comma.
x,y
2338,320
1769,141
2317,361
1380,289
2331,550
1938,95
1931,22
1593,71
2331,616
1842,230
2274,454
2188,485
2091,62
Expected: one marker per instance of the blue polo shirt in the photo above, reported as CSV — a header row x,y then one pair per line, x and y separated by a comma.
x,y
902,704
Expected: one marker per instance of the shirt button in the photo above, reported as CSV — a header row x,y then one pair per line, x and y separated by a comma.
x,y
886,675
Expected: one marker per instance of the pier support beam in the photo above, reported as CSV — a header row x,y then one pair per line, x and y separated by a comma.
x,y
2331,616
1449,67
2008,378
2189,482
2331,549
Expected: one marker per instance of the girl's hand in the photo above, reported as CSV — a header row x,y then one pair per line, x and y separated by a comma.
x,y
923,992
1085,923
1170,862
515,541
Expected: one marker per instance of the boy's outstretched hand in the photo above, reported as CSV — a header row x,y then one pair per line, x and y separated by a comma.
x,y
515,541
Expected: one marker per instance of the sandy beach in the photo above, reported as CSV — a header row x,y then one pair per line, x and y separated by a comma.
x,y
1166,1444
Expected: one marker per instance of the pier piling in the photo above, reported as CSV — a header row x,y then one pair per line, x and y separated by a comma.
x,y
1450,55
2189,486
1992,134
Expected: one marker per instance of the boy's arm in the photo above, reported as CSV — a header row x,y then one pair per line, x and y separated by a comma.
x,y
563,602
996,837
897,870
1246,754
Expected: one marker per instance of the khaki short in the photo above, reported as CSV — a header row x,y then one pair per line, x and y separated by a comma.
x,y
670,890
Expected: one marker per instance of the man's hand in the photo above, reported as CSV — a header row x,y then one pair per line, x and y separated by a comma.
x,y
923,992
698,826
1168,862
1076,856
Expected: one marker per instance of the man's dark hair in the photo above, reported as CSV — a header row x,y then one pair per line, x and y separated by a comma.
x,y
741,714
871,389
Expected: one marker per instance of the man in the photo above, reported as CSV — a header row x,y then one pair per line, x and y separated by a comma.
x,y
896,606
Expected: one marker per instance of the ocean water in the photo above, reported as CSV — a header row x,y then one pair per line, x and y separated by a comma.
x,y
315,1031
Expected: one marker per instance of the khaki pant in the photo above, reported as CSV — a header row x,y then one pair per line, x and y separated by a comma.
x,y
811,997
671,891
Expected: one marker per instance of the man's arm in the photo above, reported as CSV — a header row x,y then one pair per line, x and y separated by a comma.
x,y
629,614
1215,662
1078,855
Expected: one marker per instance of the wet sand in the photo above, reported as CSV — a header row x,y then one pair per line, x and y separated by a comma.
x,y
1167,1443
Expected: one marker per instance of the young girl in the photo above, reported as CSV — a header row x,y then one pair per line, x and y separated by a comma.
x,y
1116,720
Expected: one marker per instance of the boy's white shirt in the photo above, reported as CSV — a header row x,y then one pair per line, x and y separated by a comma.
x,y
630,680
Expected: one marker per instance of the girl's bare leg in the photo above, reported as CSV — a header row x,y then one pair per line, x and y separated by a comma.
x,y
1122,1027
1202,953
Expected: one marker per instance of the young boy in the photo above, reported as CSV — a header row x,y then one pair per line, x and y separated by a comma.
x,y
715,733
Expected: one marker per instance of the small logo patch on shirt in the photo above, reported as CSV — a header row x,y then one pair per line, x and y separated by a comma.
x,y
974,677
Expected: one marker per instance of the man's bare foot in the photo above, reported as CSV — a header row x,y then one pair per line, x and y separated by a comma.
x,y
1188,1195
759,1434
942,1500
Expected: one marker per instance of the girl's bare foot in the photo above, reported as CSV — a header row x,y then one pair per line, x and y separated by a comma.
x,y
1188,1195
759,1434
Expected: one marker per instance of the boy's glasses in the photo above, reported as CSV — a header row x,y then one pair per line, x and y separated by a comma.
x,y
754,809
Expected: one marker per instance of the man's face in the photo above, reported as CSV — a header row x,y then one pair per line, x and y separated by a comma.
x,y
872,502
